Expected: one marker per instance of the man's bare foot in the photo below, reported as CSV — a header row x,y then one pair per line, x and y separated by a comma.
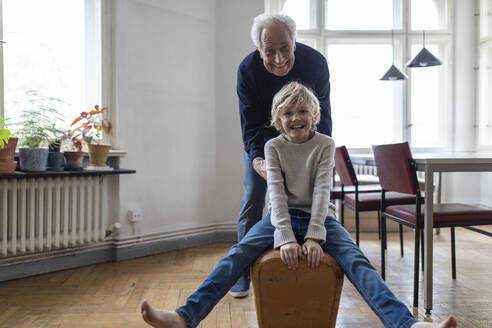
x,y
450,322
161,319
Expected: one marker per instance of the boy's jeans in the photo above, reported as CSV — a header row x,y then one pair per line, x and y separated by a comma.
x,y
339,244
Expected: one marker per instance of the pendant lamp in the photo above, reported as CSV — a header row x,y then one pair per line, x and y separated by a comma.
x,y
424,58
393,73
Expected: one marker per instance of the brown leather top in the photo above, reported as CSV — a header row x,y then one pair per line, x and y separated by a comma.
x,y
293,299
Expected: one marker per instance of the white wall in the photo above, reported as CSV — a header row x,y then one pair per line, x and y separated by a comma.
x,y
234,19
174,72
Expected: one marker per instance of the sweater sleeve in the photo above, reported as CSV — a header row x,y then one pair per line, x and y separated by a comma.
x,y
322,90
252,121
321,205
280,217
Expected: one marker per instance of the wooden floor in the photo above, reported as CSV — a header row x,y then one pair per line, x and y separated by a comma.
x,y
108,295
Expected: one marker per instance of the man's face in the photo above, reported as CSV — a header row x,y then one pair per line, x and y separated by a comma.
x,y
277,49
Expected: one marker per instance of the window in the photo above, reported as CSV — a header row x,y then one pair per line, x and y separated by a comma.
x,y
359,50
52,56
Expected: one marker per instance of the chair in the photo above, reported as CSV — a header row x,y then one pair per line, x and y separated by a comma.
x,y
302,298
397,173
363,198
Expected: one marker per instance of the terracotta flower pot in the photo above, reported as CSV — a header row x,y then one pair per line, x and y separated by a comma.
x,y
74,160
7,153
98,154
7,166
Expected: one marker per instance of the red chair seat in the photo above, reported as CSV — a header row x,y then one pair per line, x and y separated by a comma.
x,y
444,214
371,201
336,191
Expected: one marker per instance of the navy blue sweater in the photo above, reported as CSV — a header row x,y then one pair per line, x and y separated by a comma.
x,y
256,88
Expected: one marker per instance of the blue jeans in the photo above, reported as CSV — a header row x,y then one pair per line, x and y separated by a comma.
x,y
391,311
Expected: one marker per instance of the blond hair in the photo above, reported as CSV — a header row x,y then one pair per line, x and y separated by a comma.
x,y
293,95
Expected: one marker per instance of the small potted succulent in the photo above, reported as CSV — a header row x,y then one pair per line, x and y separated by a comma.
x,y
73,151
91,128
8,143
55,156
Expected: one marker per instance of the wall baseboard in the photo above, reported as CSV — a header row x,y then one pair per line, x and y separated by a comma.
x,y
110,251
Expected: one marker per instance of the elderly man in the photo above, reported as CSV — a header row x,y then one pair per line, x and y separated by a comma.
x,y
277,60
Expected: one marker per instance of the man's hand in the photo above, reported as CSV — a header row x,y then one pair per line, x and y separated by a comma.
x,y
313,251
289,254
259,165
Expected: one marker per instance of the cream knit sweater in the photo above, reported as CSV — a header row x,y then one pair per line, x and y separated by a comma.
x,y
300,176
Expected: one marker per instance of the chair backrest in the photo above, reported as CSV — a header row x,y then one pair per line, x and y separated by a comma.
x,y
394,169
344,167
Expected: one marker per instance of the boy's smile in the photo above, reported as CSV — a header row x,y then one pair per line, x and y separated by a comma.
x,y
297,124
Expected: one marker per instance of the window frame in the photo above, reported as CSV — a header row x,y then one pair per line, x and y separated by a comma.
x,y
405,36
484,43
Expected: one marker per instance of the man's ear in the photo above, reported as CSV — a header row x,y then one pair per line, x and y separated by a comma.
x,y
294,45
259,52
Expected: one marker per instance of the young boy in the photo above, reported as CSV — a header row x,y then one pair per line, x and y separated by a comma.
x,y
299,165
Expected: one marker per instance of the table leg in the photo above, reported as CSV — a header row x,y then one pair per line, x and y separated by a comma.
x,y
428,237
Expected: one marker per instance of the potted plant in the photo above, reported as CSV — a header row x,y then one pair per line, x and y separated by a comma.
x,y
8,143
55,157
36,132
91,127
73,151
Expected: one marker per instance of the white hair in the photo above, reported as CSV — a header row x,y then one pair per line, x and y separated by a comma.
x,y
262,20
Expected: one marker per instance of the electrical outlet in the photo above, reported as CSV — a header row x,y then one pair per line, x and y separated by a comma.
x,y
135,216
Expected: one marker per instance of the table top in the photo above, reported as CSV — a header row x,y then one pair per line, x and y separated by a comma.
x,y
432,158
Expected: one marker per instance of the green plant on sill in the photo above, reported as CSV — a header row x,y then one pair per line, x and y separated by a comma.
x,y
5,133
39,123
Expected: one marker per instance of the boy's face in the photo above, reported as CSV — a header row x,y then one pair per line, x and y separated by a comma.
x,y
297,124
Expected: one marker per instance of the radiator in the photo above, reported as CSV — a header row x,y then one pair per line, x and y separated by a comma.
x,y
365,169
41,214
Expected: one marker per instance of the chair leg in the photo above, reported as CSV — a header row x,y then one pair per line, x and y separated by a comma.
x,y
453,254
383,246
416,270
401,240
379,226
343,214
422,247
357,226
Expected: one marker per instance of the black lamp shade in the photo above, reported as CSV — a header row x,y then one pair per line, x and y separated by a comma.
x,y
394,74
424,59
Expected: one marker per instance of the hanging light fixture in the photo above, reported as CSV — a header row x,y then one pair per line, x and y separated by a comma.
x,y
424,58
393,73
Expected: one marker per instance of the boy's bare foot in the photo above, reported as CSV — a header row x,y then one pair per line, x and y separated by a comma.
x,y
450,322
161,319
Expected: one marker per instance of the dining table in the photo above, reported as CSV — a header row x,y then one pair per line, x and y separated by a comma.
x,y
431,163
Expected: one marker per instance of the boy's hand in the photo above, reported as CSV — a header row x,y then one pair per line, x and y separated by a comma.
x,y
313,251
289,254
259,165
